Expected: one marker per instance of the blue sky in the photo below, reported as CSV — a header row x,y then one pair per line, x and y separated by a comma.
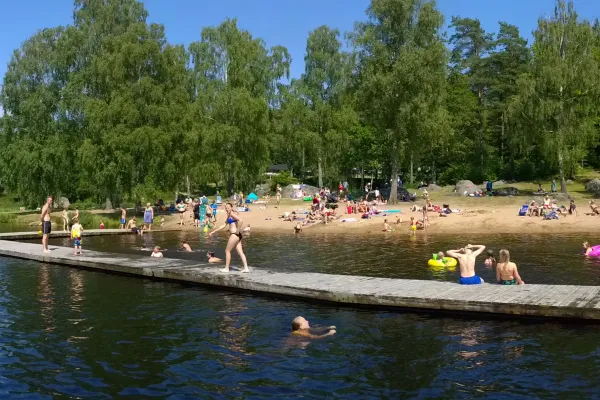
x,y
276,21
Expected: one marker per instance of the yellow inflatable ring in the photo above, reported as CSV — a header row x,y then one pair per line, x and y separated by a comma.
x,y
448,262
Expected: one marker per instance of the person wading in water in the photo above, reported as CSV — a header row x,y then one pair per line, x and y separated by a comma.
x,y
235,237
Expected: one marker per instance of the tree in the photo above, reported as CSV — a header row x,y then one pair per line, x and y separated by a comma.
x,y
402,67
558,99
234,79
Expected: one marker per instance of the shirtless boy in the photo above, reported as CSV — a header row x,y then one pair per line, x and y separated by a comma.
x,y
466,259
46,223
123,218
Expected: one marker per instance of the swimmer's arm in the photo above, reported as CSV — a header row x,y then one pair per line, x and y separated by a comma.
x,y
519,280
480,248
218,229
454,253
497,274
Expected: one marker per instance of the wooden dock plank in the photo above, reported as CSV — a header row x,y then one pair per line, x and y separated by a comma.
x,y
535,300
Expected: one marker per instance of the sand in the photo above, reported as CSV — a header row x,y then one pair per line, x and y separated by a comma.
x,y
476,218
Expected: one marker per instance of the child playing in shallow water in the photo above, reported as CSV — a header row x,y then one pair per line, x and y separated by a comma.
x,y
490,261
413,226
386,226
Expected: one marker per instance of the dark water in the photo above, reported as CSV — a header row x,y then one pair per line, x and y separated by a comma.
x,y
75,333
551,259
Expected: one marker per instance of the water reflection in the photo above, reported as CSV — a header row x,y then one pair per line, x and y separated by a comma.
x,y
45,294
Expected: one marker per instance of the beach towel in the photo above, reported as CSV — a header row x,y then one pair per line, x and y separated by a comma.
x,y
523,211
551,215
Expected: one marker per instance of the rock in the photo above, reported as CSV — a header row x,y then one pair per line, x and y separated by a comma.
x,y
262,190
108,205
560,197
593,187
499,183
465,187
509,191
433,187
62,203
569,182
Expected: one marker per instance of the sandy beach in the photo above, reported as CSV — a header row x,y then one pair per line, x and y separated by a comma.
x,y
478,216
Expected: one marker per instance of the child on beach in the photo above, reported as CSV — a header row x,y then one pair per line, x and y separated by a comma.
x,y
386,226
490,261
76,230
101,224
398,220
413,226
298,227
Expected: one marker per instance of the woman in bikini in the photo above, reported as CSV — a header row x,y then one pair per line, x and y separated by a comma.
x,y
235,237
506,271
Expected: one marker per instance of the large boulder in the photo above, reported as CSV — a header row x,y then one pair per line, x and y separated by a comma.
x,y
62,203
593,187
498,183
433,187
509,191
465,188
262,190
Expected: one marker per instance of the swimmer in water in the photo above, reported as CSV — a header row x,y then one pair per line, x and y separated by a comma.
x,y
156,253
301,327
587,248
386,226
247,229
441,256
298,227
490,261
185,246
212,259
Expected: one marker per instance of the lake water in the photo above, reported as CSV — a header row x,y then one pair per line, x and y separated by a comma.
x,y
69,332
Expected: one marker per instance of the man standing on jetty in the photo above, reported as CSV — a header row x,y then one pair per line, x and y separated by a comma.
x,y
46,223
466,259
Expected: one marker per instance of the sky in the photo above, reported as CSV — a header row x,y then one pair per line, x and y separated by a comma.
x,y
277,22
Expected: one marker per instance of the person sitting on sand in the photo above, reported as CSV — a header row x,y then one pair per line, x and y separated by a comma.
x,y
466,259
506,271
594,207
533,209
540,189
398,220
212,259
156,253
298,227
386,226
185,246
573,208
301,327
490,260
547,202
290,217
562,211
429,205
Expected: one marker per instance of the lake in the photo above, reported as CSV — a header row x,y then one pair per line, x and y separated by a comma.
x,y
69,332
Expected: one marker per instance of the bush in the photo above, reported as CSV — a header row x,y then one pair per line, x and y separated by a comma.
x,y
283,179
92,221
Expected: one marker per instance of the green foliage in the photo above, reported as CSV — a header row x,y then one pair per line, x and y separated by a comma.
x,y
92,221
283,179
106,108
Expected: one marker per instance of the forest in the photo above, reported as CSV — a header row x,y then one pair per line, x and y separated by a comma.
x,y
107,108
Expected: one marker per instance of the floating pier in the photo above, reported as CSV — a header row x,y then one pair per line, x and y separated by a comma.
x,y
560,301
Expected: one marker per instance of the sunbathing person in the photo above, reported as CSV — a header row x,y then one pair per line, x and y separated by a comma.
x,y
533,209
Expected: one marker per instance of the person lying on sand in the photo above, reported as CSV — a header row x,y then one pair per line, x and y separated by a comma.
x,y
301,327
533,209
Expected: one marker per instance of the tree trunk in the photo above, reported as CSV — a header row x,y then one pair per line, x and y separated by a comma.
x,y
362,178
412,176
187,184
320,171
394,171
561,171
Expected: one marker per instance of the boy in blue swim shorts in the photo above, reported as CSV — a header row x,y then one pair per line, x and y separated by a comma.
x,y
466,259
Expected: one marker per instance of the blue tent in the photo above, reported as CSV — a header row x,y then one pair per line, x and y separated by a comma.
x,y
252,197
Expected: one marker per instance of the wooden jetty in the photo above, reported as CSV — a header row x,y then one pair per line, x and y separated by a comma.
x,y
33,235
561,301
